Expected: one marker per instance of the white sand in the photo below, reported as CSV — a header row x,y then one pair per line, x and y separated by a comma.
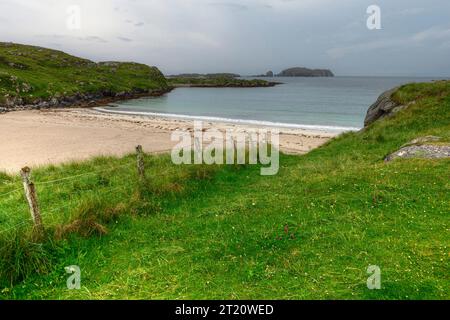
x,y
35,138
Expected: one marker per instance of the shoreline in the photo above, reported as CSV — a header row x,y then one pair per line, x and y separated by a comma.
x,y
83,101
258,123
54,136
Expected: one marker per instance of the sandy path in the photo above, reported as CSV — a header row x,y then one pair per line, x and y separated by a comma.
x,y
36,138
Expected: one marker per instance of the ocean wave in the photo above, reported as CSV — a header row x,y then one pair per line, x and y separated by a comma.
x,y
235,121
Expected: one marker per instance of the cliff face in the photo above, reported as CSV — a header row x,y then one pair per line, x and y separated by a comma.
x,y
305,72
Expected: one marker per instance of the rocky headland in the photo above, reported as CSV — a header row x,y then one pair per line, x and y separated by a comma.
x,y
38,78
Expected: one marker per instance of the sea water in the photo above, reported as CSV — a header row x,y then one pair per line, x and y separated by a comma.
x,y
338,103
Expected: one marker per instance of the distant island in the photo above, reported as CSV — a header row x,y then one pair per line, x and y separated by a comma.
x,y
299,72
205,75
268,74
216,80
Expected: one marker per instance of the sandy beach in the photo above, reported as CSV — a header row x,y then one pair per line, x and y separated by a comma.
x,y
35,138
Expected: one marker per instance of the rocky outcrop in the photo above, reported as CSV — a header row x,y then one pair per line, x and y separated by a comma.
x,y
422,147
422,140
423,151
305,72
383,107
268,74
78,100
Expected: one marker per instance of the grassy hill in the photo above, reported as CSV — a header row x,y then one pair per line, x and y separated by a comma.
x,y
225,232
30,75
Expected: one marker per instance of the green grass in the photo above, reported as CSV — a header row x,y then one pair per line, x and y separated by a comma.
x,y
225,232
34,74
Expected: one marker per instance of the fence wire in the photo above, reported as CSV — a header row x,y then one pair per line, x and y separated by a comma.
x,y
80,175
10,192
15,226
51,213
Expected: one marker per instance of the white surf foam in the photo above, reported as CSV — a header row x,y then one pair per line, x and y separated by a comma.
x,y
230,120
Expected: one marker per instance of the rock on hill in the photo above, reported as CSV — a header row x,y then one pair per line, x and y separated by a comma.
x,y
383,107
305,72
35,77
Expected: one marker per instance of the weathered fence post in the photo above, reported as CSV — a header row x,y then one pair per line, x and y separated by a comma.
x,y
252,147
229,148
30,193
140,162
198,151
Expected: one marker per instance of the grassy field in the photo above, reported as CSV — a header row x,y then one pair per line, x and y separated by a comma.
x,y
225,232
35,74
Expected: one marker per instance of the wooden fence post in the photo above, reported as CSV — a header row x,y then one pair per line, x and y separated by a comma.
x,y
30,193
140,162
252,144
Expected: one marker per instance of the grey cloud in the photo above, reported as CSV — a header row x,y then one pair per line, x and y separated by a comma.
x,y
125,39
70,37
93,38
247,37
136,24
412,11
229,5
54,45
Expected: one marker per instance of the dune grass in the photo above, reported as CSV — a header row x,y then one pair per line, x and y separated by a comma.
x,y
225,232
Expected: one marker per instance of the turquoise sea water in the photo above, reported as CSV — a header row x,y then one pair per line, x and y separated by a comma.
x,y
338,103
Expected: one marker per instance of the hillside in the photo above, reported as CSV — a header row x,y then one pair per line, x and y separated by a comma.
x,y
225,232
42,77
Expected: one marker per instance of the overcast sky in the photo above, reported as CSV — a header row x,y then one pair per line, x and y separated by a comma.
x,y
246,37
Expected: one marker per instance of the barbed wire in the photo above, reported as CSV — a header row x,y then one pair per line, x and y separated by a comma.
x,y
10,192
79,175
51,213
27,221
65,178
